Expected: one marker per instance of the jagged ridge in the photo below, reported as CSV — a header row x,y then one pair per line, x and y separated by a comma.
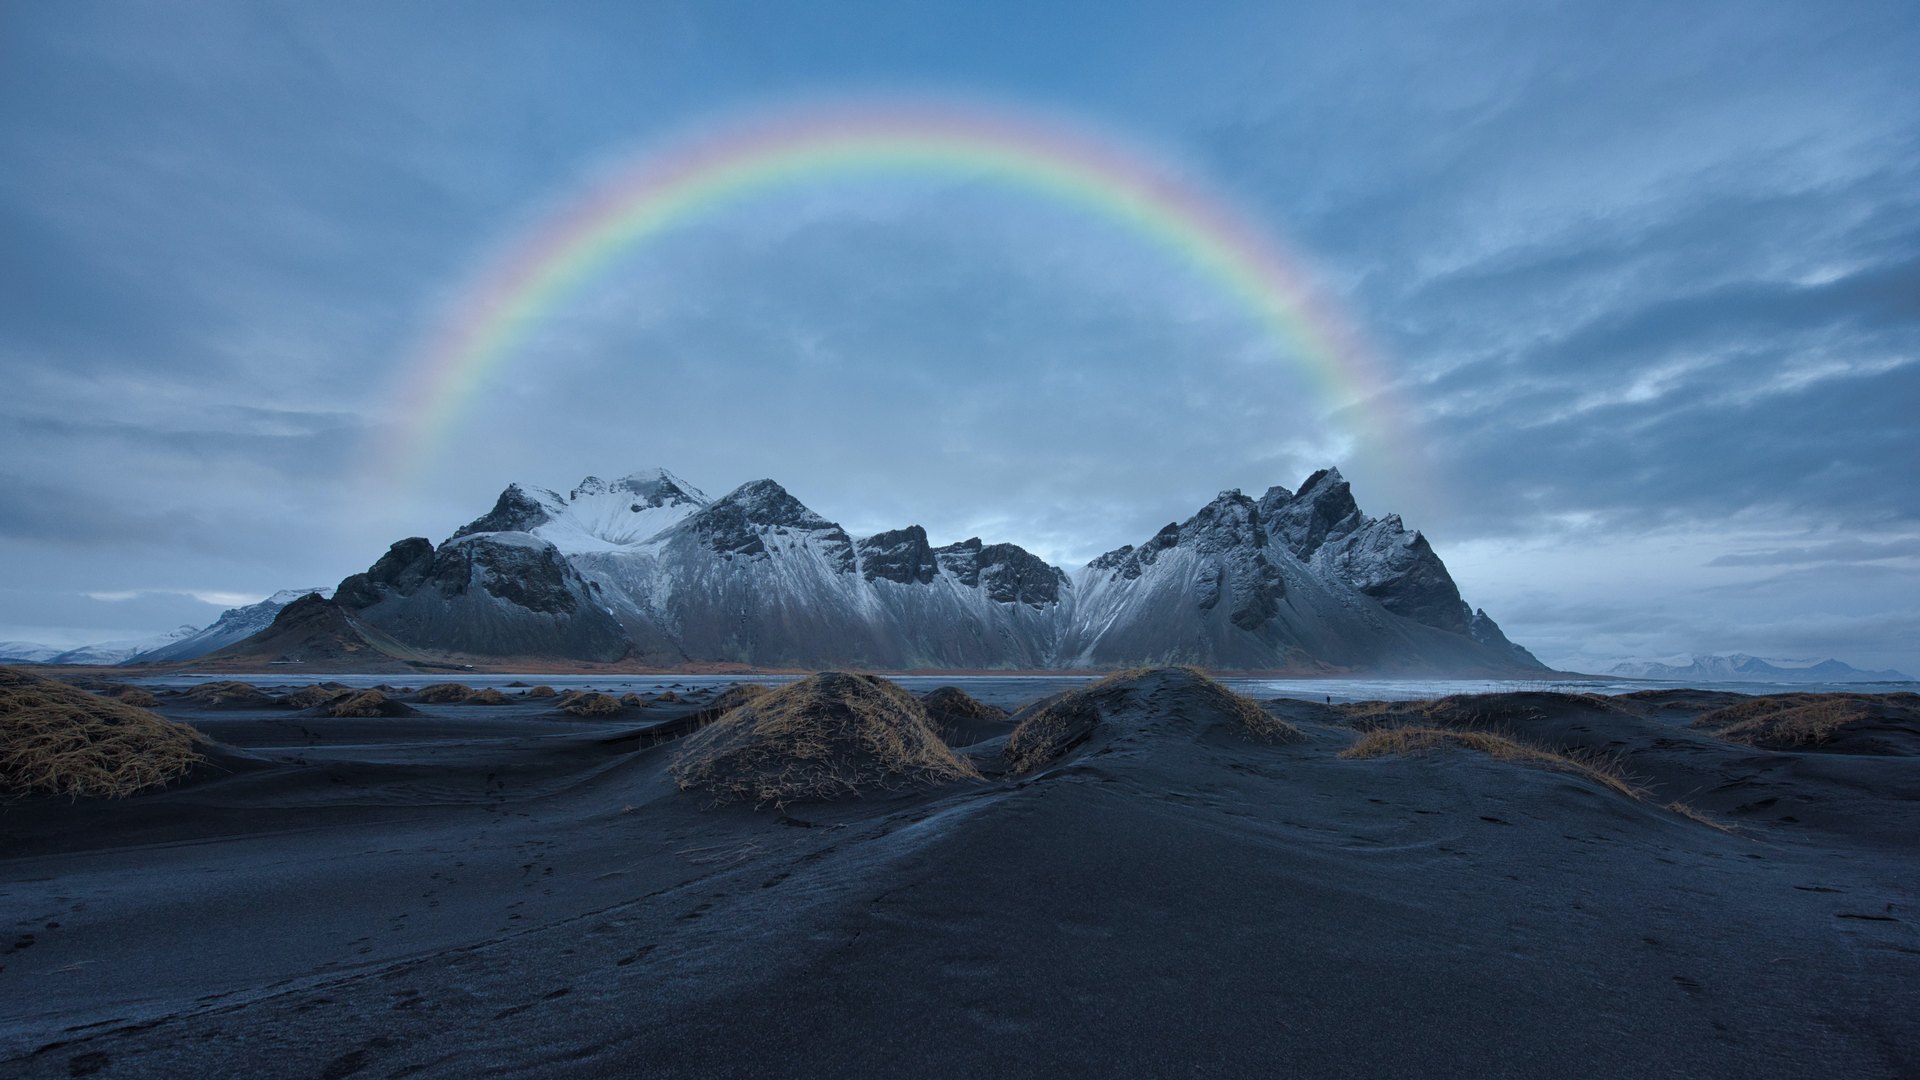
x,y
648,569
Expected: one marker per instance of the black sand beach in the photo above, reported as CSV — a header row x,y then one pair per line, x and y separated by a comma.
x,y
482,890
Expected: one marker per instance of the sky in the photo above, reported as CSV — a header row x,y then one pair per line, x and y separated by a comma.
x,y
1642,282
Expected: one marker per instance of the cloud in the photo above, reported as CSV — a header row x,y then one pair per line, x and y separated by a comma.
x,y
1833,551
215,597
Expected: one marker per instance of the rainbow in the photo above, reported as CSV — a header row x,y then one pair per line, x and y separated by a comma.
x,y
785,147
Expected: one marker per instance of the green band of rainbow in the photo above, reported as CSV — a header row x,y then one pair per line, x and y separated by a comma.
x,y
792,147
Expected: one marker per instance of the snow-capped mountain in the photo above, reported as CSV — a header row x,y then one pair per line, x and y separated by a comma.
x,y
648,570
1286,581
102,652
1740,667
234,624
27,652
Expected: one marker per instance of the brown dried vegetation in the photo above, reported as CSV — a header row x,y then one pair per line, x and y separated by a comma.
x,y
1381,742
829,736
56,739
1797,721
590,704
1057,726
444,693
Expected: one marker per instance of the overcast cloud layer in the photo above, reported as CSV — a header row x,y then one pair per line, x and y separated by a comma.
x,y
1646,277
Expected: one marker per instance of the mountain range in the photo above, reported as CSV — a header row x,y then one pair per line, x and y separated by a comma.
x,y
648,571
1739,667
187,642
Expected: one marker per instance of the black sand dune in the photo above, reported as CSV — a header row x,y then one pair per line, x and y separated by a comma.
x,y
499,890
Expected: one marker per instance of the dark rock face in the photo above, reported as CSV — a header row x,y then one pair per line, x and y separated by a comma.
x,y
493,594
401,570
739,523
1230,539
1111,560
900,555
514,511
1011,573
1400,570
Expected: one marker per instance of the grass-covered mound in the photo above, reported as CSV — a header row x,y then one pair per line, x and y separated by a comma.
x,y
56,739
1869,723
1047,731
1384,737
962,719
312,697
228,694
443,693
542,691
735,696
590,704
955,702
488,696
366,703
829,736
1385,741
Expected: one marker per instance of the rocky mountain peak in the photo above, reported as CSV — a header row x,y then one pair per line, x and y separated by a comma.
x,y
1323,510
764,502
516,510
739,522
1230,521
648,487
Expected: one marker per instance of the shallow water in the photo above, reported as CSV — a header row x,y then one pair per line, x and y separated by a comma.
x,y
1009,691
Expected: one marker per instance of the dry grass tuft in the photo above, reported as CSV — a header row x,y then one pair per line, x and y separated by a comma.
x,y
829,736
632,700
56,739
668,698
590,704
489,696
1691,814
444,693
541,691
1414,740
1793,721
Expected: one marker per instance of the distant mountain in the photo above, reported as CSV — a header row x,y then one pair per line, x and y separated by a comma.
x,y
27,652
234,624
1739,667
184,643
104,652
647,570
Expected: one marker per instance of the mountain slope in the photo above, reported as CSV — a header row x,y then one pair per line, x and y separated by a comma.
x,y
314,633
233,625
